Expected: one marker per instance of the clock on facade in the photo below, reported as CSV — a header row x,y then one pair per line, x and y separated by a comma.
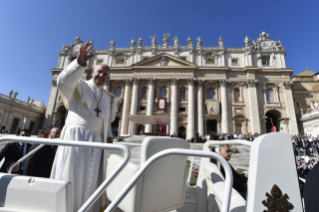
x,y
264,45
76,48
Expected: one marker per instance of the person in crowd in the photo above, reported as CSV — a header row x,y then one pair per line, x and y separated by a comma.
x,y
3,128
12,152
173,135
314,149
300,167
305,147
40,163
239,180
305,157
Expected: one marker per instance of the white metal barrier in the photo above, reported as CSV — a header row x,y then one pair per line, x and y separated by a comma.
x,y
197,153
60,142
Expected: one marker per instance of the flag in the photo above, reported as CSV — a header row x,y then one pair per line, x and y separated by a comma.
x,y
272,127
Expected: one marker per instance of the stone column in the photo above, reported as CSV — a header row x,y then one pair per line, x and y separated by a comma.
x,y
174,103
124,123
218,126
134,104
254,110
150,103
293,127
223,96
191,110
200,120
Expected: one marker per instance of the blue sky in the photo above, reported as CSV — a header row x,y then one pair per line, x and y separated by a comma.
x,y
33,32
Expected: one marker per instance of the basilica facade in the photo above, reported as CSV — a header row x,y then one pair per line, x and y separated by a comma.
x,y
167,88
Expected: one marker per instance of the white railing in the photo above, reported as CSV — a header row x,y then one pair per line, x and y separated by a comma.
x,y
60,142
186,152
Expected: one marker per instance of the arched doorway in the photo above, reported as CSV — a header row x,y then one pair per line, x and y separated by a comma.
x,y
182,132
140,130
273,115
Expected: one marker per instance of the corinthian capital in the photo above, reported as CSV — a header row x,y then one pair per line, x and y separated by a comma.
x,y
150,81
127,82
252,83
190,81
136,81
223,83
287,85
174,81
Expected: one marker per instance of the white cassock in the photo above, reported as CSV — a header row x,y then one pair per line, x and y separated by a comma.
x,y
83,166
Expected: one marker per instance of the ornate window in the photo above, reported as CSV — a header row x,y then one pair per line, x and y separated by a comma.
x,y
210,60
270,95
265,61
118,92
144,93
210,93
182,93
163,92
236,94
120,60
234,61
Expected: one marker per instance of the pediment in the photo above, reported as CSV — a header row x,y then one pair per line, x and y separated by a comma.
x,y
164,60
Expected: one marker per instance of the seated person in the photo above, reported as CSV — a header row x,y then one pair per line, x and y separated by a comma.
x,y
40,163
239,180
12,152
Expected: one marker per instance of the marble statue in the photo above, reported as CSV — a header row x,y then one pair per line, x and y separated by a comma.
x,y
189,41
91,42
316,106
199,41
279,45
15,95
247,41
176,42
11,92
65,48
77,40
28,100
153,40
112,44
32,100
140,42
221,42
263,36
133,42
165,39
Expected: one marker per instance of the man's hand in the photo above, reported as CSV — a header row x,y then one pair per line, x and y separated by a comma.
x,y
15,169
246,175
109,140
83,54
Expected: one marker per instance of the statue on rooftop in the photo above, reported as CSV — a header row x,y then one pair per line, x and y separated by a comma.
x,y
221,42
133,42
165,39
189,41
153,40
176,42
15,95
140,42
199,42
28,100
11,92
247,41
112,44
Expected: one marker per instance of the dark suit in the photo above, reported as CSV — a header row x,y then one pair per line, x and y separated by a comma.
x,y
40,163
239,181
12,153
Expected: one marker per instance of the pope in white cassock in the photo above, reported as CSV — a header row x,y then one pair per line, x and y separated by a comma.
x,y
91,112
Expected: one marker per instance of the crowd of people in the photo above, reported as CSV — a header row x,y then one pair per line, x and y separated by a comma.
x,y
38,164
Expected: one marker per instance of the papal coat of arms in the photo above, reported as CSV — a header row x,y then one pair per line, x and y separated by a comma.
x,y
276,202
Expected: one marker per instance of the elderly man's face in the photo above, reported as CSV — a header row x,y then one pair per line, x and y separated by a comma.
x,y
101,74
55,133
225,152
